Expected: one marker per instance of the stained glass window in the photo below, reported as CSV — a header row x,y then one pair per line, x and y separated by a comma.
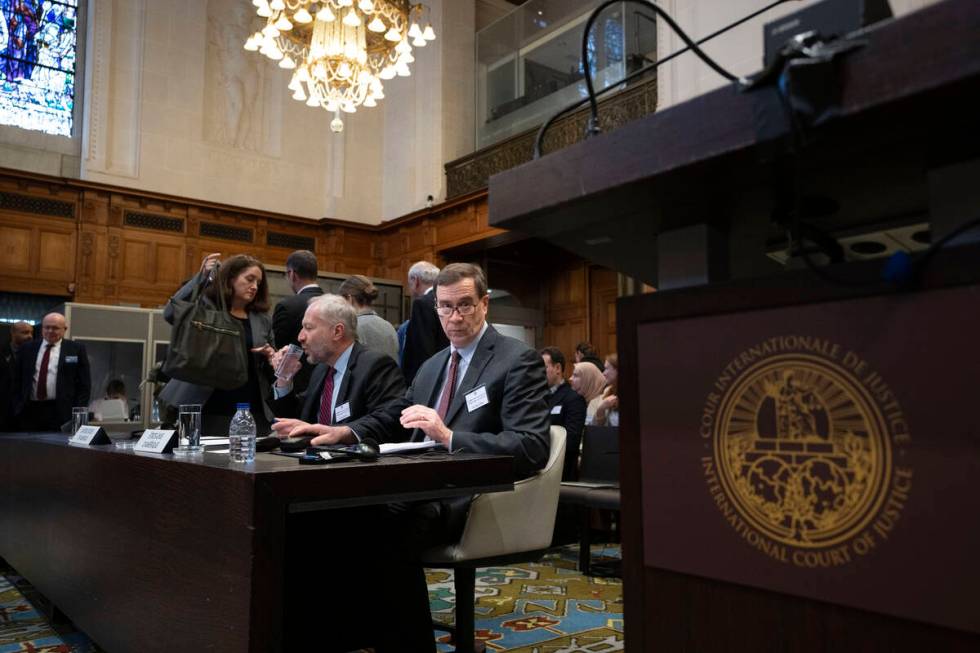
x,y
37,64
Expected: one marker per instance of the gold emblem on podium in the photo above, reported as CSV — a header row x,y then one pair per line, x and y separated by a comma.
x,y
802,459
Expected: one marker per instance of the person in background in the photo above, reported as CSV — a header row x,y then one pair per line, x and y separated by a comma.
x,y
401,331
243,282
567,408
607,412
20,333
373,331
52,377
287,318
588,381
425,335
585,353
114,405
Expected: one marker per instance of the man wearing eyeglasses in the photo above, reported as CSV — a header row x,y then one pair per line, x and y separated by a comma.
x,y
485,393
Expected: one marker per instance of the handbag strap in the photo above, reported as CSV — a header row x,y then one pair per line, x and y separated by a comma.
x,y
198,293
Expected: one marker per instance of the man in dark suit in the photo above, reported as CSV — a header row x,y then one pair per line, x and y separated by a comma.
x,y
567,408
20,333
350,381
52,377
287,318
485,393
425,335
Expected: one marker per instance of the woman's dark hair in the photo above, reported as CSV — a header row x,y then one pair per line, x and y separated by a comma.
x,y
230,270
115,388
586,349
360,289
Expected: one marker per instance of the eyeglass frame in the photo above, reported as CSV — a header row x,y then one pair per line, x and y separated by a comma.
x,y
458,308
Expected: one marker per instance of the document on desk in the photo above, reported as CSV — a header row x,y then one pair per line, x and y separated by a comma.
x,y
402,447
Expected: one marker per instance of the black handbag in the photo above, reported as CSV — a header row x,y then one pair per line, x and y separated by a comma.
x,y
207,345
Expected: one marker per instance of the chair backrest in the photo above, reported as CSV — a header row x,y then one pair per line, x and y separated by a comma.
x,y
600,455
504,523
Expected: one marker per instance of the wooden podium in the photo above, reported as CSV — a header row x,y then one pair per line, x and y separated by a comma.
x,y
799,458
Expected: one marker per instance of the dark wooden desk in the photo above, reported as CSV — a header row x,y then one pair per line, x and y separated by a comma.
x,y
149,552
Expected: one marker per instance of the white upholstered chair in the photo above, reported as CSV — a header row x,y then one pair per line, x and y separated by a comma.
x,y
501,528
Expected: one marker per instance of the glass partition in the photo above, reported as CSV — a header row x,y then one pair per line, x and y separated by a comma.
x,y
116,372
529,62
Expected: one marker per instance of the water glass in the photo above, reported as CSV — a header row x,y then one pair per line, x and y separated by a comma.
x,y
284,370
189,429
79,418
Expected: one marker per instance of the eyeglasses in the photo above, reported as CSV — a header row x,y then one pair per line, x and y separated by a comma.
x,y
462,309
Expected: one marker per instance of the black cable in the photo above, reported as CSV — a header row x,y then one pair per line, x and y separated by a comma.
x,y
539,139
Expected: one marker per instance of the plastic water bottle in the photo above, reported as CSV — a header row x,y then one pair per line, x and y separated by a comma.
x,y
241,435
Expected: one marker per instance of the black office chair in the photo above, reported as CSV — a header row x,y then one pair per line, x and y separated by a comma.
x,y
598,484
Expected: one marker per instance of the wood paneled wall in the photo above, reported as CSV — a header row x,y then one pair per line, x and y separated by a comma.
x,y
108,245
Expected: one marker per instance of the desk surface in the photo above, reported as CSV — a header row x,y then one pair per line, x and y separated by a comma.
x,y
149,552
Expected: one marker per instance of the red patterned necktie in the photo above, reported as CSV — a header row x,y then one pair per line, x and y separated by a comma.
x,y
449,389
327,398
42,374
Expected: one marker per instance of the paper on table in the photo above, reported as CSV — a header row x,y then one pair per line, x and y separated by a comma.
x,y
396,447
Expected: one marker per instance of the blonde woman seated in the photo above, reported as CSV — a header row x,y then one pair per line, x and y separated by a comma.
x,y
588,381
607,412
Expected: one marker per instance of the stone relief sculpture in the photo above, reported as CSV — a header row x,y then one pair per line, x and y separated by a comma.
x,y
238,108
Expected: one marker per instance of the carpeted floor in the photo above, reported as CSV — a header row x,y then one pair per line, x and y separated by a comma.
x,y
545,607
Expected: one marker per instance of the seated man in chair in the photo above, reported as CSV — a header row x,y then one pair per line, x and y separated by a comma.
x,y
485,393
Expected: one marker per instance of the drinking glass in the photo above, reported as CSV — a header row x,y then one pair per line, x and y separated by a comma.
x,y
189,425
286,369
79,418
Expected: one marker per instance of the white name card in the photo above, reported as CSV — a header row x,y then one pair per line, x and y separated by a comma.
x,y
155,440
89,435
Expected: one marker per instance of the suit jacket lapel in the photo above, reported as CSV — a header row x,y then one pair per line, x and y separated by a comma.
x,y
482,356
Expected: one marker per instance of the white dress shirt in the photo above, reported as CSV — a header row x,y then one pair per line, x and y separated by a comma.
x,y
52,383
465,356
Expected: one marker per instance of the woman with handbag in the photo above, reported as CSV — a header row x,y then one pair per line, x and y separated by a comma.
x,y
244,289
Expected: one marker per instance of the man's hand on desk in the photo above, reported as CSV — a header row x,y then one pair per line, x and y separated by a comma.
x,y
292,428
423,417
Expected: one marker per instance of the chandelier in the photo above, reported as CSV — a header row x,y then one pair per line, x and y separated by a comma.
x,y
340,51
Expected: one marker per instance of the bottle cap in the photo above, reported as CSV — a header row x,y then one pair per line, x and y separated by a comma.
x,y
242,406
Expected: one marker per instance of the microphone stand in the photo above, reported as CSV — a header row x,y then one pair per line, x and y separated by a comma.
x,y
691,45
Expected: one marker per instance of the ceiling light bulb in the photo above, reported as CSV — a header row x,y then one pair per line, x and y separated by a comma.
x,y
343,70
287,63
337,125
277,5
403,47
299,94
369,101
367,6
283,24
302,16
264,11
407,58
274,53
270,31
348,107
429,34
414,31
251,45
393,35
312,101
376,25
401,69
388,72
325,15
352,18
419,42
345,3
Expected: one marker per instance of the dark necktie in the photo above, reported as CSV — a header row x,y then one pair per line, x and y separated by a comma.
x,y
327,398
450,388
42,374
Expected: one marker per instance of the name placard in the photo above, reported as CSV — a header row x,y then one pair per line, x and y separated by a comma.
x,y
156,441
90,435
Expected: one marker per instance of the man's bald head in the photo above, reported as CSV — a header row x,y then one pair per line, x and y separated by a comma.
x,y
20,332
53,327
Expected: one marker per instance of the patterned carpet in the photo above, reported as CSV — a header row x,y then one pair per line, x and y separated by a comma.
x,y
546,607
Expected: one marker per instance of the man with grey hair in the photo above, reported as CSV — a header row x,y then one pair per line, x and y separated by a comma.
x,y
425,335
287,318
349,382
